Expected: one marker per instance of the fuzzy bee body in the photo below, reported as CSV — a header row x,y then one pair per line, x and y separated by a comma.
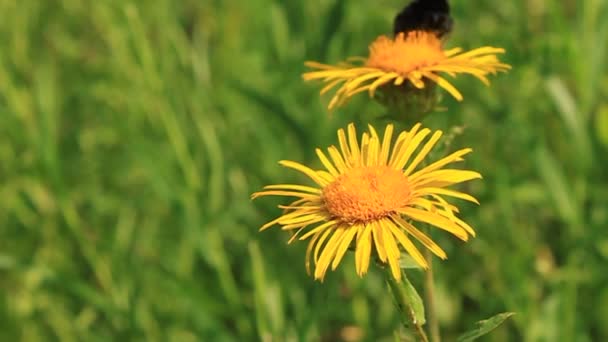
x,y
425,15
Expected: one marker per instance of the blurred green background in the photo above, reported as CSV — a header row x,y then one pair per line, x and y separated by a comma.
x,y
133,132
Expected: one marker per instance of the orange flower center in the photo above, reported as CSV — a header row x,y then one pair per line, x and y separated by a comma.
x,y
405,54
367,193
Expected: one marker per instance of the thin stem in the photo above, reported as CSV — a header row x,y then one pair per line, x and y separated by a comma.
x,y
419,331
429,293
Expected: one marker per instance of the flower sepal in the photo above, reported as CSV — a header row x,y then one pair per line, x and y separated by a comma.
x,y
407,104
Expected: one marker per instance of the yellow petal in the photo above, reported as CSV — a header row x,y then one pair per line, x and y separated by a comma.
x,y
420,236
409,247
423,153
363,250
344,244
378,241
436,220
328,253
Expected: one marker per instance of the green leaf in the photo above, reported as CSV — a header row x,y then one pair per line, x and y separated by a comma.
x,y
280,30
484,327
409,302
335,17
601,125
407,262
270,317
573,118
259,284
559,189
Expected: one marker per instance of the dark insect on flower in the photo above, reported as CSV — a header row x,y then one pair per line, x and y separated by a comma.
x,y
424,15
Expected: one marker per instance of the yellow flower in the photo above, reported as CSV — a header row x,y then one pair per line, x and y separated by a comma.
x,y
368,197
416,58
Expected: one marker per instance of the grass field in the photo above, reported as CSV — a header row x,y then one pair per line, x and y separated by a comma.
x,y
132,134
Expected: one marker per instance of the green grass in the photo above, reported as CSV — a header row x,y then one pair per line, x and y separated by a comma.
x,y
132,134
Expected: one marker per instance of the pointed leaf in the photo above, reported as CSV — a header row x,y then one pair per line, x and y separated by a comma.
x,y
484,327
408,300
407,262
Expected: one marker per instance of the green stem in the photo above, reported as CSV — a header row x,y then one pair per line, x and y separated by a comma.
x,y
406,303
429,294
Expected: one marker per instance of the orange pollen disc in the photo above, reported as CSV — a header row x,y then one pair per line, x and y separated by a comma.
x,y
405,54
367,193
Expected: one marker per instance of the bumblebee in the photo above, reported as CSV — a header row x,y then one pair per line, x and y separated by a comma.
x,y
425,15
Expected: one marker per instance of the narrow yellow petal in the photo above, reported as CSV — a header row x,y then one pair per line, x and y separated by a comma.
x,y
447,192
354,145
328,253
328,165
420,236
294,236
304,208
443,83
450,216
430,205
284,193
436,220
381,81
334,102
344,244
443,178
409,247
296,187
409,149
403,140
392,249
399,144
378,241
456,156
330,86
337,159
365,77
327,225
354,91
344,148
452,52
325,176
423,153
322,239
364,149
309,248
317,65
464,225
280,218
305,219
363,249
373,151
416,80
386,145
305,170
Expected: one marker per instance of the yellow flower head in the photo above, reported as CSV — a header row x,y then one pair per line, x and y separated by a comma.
x,y
415,58
368,198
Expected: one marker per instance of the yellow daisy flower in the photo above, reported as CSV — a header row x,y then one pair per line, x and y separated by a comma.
x,y
368,197
416,58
